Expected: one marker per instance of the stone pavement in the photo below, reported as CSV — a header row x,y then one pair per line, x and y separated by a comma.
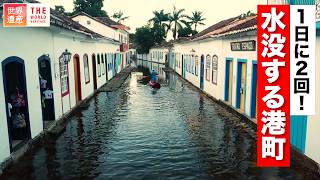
x,y
117,81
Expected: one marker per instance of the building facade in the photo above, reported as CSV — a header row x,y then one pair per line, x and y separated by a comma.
x,y
110,29
304,129
159,54
47,72
213,62
222,62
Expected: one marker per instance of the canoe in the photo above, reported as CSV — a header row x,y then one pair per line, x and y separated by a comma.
x,y
154,85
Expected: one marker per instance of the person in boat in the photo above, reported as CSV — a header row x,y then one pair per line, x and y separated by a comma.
x,y
154,75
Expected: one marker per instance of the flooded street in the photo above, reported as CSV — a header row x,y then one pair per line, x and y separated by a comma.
x,y
139,133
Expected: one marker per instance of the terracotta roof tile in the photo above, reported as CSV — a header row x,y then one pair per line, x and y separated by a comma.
x,y
104,20
215,27
234,25
107,20
163,45
113,23
63,21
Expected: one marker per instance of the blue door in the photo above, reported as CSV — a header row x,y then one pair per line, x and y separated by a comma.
x,y
202,72
254,91
302,2
118,62
298,132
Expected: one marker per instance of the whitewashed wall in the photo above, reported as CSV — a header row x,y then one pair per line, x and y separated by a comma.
x,y
78,46
222,49
31,43
23,43
97,27
312,148
157,51
247,55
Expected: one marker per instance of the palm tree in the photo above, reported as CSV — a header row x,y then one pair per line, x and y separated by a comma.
x,y
159,20
119,16
159,17
167,26
196,18
176,18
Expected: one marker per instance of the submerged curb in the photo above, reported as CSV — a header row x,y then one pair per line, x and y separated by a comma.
x,y
58,126
300,157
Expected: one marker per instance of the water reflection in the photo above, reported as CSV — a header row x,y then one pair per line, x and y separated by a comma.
x,y
138,133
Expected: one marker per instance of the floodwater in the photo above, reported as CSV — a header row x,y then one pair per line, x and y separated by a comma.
x,y
138,133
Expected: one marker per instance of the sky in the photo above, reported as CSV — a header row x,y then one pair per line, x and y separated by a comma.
x,y
140,11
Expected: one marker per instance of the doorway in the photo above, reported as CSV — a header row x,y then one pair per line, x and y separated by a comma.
x,y
241,85
115,64
166,58
46,90
253,112
183,73
15,90
228,81
106,63
202,72
118,63
77,78
122,61
94,66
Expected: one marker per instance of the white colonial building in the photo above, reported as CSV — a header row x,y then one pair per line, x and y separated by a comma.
x,y
107,28
47,72
222,62
216,62
160,53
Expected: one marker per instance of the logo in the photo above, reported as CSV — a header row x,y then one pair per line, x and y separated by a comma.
x,y
26,15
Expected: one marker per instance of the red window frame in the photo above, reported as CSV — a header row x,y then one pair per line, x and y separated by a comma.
x,y
68,83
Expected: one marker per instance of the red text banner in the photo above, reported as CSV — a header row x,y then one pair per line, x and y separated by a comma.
x,y
273,117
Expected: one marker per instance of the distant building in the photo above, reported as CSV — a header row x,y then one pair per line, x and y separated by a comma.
x,y
160,53
107,28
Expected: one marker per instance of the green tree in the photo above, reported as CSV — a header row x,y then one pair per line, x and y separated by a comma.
x,y
177,18
131,37
159,17
185,32
119,16
158,33
247,14
160,29
91,7
60,9
144,39
196,18
167,26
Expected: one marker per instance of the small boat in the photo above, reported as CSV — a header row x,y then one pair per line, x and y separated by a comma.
x,y
154,85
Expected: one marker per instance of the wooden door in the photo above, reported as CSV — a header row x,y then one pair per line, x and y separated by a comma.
x,y
243,86
77,78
